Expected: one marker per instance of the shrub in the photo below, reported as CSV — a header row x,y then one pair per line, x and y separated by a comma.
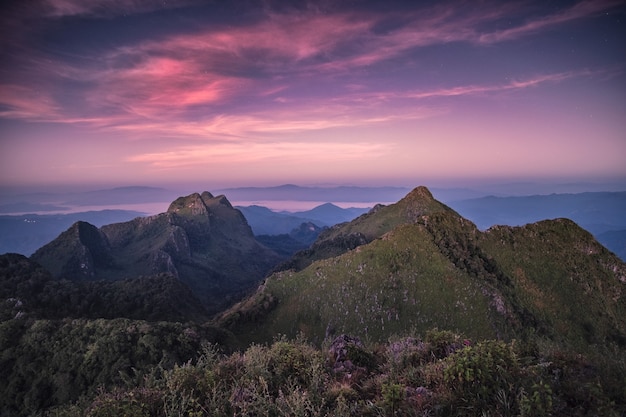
x,y
443,342
392,394
479,375
537,402
136,402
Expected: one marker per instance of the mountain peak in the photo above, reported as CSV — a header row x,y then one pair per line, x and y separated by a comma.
x,y
206,195
220,199
421,202
77,252
201,240
193,204
420,193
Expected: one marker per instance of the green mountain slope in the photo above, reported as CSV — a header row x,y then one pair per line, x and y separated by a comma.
x,y
570,282
421,265
372,225
202,240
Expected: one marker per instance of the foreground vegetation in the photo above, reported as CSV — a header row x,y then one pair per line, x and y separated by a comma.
x,y
439,374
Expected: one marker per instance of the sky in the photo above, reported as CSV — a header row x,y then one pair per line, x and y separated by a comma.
x,y
344,92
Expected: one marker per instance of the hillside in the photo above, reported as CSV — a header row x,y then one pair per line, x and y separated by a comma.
x,y
202,240
409,309
30,292
61,340
287,244
378,221
418,264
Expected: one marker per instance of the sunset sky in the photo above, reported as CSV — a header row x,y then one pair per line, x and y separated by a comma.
x,y
252,93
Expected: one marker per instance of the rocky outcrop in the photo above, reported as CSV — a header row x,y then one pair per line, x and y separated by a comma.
x,y
77,252
201,239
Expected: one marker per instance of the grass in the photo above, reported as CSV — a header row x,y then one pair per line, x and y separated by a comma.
x,y
385,287
550,279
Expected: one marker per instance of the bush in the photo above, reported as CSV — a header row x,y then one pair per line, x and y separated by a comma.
x,y
443,342
481,373
136,402
406,377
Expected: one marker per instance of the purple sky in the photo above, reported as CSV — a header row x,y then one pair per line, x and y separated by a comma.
x,y
233,93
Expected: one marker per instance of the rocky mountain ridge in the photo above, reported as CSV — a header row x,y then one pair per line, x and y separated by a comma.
x,y
535,313
419,264
201,239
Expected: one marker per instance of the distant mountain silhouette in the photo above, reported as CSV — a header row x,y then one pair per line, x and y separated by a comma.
x,y
596,212
615,240
264,221
331,194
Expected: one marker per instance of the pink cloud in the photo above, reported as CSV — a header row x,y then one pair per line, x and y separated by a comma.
x,y
465,90
165,78
266,46
276,123
480,89
175,81
161,87
253,152
26,103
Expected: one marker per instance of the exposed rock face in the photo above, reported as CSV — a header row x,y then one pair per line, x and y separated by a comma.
x,y
192,205
201,239
77,252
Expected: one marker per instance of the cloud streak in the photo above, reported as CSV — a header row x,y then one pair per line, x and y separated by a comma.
x,y
253,152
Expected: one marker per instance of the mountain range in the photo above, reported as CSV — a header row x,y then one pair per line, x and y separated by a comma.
x,y
268,222
598,212
123,303
419,264
295,192
201,240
